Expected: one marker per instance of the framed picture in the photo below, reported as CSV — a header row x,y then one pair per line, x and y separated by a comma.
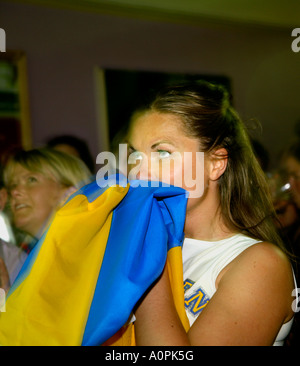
x,y
15,128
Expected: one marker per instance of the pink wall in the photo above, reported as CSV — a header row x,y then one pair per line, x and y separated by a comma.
x,y
64,46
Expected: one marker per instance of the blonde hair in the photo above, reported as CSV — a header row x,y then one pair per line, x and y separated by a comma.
x,y
66,169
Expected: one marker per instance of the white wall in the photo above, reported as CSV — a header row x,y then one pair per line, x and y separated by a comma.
x,y
64,46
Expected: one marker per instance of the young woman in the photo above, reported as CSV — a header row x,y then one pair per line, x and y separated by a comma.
x,y
238,280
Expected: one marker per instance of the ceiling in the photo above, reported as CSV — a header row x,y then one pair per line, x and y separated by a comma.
x,y
267,13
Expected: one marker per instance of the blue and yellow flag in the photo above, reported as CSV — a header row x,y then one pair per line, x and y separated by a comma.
x,y
102,251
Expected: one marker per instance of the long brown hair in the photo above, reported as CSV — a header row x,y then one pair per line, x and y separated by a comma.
x,y
207,114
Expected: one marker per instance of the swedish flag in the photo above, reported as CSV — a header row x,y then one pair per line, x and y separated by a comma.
x,y
102,251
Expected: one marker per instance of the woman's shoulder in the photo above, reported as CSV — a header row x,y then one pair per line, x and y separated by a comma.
x,y
265,269
259,255
263,262
262,257
266,255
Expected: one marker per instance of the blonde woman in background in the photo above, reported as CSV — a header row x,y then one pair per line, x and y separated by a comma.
x,y
38,182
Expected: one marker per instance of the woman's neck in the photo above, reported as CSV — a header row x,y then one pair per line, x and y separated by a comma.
x,y
205,227
204,221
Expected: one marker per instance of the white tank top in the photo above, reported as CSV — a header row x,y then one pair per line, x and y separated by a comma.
x,y
202,262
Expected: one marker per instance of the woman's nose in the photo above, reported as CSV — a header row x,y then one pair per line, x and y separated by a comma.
x,y
16,190
140,168
144,172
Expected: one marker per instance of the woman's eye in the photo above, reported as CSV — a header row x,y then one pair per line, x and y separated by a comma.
x,y
164,154
31,179
136,155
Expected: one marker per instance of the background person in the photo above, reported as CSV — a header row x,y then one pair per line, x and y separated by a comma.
x,y
38,182
11,257
74,146
290,175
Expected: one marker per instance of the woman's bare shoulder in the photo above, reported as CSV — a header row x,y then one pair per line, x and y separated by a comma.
x,y
266,270
267,255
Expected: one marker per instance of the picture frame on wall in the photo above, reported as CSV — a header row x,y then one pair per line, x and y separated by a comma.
x,y
15,126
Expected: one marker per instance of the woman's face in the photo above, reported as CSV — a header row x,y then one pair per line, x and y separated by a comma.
x,y
166,153
33,198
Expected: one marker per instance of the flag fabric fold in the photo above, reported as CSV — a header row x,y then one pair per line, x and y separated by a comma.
x,y
102,251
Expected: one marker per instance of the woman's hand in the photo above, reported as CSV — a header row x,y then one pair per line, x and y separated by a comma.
x,y
157,322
